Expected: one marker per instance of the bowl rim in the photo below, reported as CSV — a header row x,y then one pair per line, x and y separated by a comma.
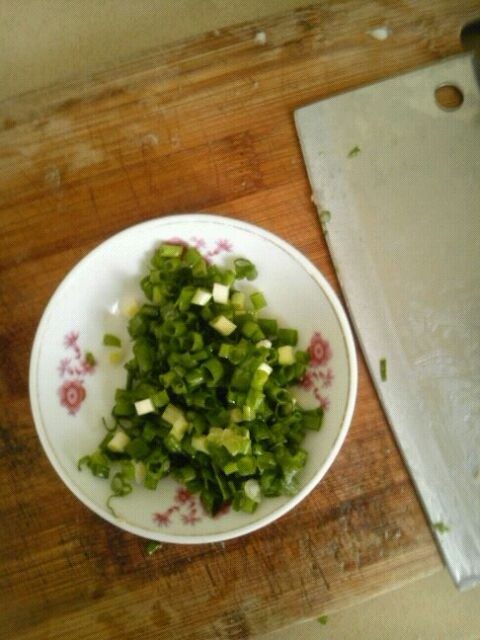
x,y
352,368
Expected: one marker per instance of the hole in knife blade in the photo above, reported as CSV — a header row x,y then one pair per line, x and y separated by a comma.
x,y
448,97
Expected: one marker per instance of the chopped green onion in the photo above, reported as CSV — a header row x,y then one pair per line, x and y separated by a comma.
x,y
223,325
269,326
201,297
170,250
258,300
172,414
109,340
288,337
90,359
237,300
144,406
245,269
286,355
118,442
160,398
152,547
206,398
354,151
220,293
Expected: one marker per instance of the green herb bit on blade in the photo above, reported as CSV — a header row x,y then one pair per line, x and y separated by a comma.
x,y
322,619
354,152
441,527
383,369
207,398
325,217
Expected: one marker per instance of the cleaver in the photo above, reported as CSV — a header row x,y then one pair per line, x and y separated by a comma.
x,y
395,174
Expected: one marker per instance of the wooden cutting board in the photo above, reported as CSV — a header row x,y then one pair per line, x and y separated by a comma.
x,y
205,125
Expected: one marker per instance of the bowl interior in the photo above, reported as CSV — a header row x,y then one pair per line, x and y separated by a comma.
x,y
69,398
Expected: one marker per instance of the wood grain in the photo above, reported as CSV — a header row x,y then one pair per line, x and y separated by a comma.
x,y
205,125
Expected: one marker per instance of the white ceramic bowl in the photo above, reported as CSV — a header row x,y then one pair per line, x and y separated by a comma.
x,y
69,398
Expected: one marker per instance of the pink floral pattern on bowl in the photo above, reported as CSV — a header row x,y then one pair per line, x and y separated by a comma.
x,y
73,369
219,246
185,506
319,376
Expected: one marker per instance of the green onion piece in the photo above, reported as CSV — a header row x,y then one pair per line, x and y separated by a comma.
x,y
258,300
144,354
170,250
152,547
245,269
252,331
287,337
230,467
313,419
237,300
246,465
269,326
354,152
213,370
195,378
109,340
137,449
90,359
223,325
160,398
224,351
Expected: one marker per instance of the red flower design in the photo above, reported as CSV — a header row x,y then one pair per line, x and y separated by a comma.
x,y
183,495
328,378
191,517
162,519
224,245
87,367
319,350
72,394
70,339
63,367
323,401
307,381
199,243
